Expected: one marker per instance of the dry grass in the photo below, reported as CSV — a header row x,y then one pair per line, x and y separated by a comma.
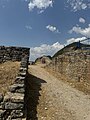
x,y
82,86
8,73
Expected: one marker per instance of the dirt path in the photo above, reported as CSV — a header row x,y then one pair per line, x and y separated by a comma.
x,y
51,99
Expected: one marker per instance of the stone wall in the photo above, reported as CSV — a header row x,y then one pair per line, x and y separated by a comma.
x,y
12,104
12,53
74,65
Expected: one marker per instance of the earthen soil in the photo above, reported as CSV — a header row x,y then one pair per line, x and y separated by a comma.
x,y
8,73
56,100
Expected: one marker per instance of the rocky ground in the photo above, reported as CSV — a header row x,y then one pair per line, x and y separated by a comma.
x,y
8,73
52,99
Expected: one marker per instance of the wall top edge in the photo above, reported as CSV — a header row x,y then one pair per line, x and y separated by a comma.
x,y
14,47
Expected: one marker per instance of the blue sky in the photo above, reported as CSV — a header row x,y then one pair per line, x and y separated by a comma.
x,y
43,25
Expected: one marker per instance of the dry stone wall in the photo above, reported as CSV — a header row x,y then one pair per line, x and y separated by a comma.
x,y
12,53
12,104
74,65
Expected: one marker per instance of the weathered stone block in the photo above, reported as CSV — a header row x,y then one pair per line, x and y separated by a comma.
x,y
13,106
15,87
21,90
17,114
20,80
22,69
14,97
23,73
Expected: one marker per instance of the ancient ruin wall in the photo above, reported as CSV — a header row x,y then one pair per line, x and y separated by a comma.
x,y
12,53
73,65
12,104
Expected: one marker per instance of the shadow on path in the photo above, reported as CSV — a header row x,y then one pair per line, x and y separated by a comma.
x,y
33,86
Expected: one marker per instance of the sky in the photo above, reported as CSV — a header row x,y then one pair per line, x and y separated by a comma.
x,y
45,26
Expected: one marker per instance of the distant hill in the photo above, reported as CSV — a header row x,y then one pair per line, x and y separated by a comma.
x,y
73,47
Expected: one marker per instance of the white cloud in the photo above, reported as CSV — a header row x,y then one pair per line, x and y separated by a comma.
x,y
84,6
41,11
40,4
52,28
71,40
28,27
79,30
78,4
81,20
45,49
